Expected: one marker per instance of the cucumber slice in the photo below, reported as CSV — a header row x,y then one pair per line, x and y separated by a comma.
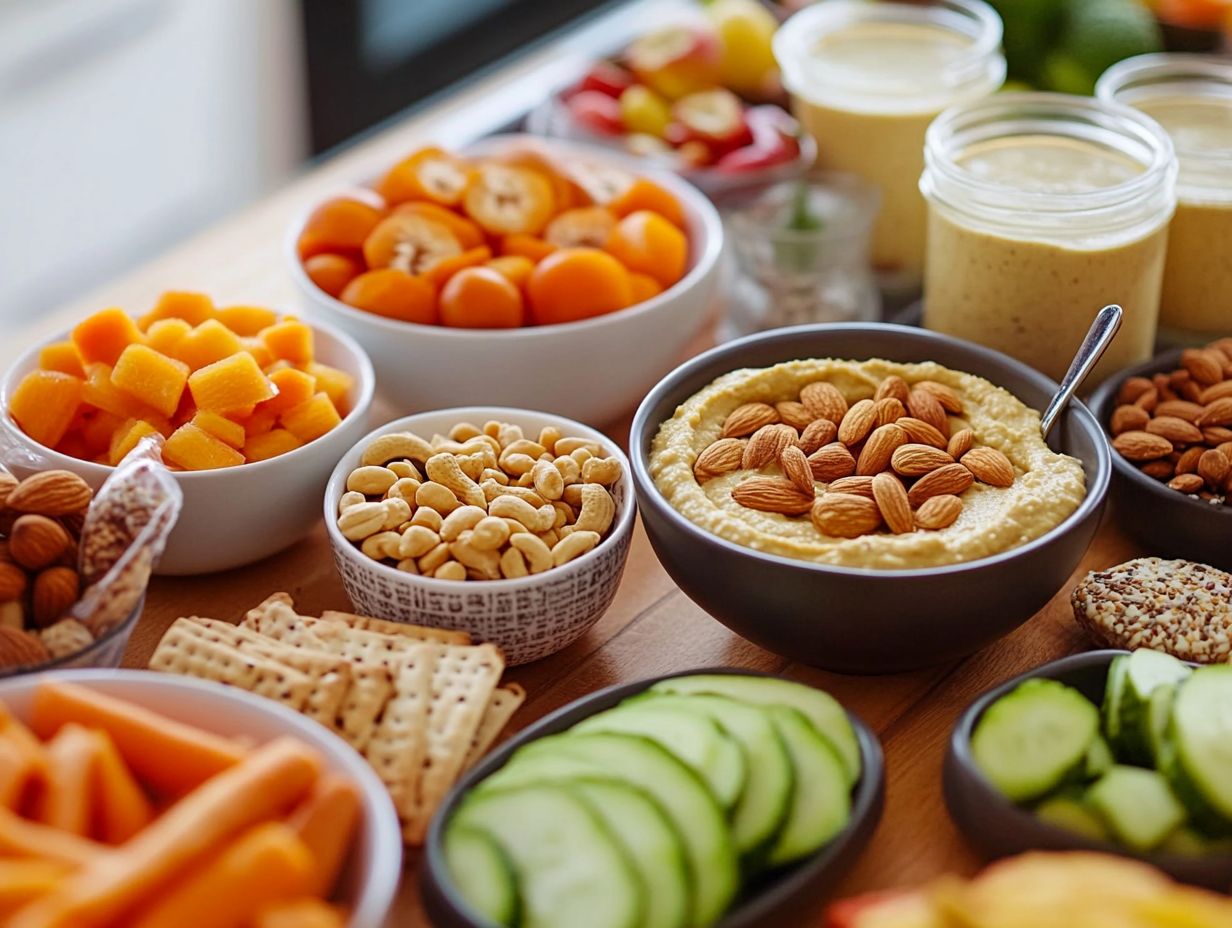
x,y
1032,739
1072,815
1185,842
570,869
482,873
1137,805
821,709
679,792
692,737
655,849
1113,690
1158,719
762,808
1099,758
821,802
1202,735
1145,671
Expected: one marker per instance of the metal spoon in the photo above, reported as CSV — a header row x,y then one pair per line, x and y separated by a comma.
x,y
1106,325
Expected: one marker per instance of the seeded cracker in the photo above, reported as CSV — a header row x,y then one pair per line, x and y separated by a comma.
x,y
505,702
397,747
385,627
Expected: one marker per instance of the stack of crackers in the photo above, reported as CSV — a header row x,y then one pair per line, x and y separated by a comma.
x,y
421,704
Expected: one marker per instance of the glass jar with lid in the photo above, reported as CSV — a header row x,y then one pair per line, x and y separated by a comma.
x,y
1191,97
866,79
1043,208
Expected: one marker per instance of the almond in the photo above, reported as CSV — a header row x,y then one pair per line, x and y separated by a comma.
x,y
1181,409
819,432
960,443
949,400
1216,413
990,466
895,387
925,406
844,516
1217,391
794,414
938,512
951,480
1129,418
722,457
891,498
13,615
824,401
51,493
1176,430
858,422
1216,434
796,468
855,486
921,432
1187,483
1131,389
1160,470
54,592
832,461
914,460
21,649
772,494
1187,463
888,409
766,445
36,541
1213,467
1141,446
877,451
1190,390
7,484
1224,346
13,581
747,419
1148,400
1206,367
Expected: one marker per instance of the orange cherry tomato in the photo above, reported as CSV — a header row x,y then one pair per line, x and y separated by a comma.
x,y
565,192
393,293
332,272
644,287
516,268
481,298
410,243
339,225
526,246
447,267
429,174
587,226
645,194
577,283
468,234
505,199
647,243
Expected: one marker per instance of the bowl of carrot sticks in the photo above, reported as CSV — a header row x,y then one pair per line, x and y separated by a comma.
x,y
154,801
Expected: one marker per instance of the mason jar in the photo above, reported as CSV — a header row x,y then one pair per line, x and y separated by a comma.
x,y
1191,97
1043,208
866,79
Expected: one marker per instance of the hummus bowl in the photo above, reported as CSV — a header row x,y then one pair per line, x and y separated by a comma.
x,y
881,603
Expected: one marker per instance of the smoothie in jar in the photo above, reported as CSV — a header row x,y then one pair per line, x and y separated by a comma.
x,y
1191,97
867,79
1043,209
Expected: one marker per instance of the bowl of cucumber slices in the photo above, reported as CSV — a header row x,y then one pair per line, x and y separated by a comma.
x,y
707,798
1121,751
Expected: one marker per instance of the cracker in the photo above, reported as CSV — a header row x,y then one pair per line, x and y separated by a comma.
x,y
385,627
398,744
505,701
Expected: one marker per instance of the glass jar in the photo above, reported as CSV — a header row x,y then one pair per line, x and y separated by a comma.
x,y
1043,208
867,78
1191,97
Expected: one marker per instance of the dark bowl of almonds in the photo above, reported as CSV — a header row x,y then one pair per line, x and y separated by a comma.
x,y
1170,424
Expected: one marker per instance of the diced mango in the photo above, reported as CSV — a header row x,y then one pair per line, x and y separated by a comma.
x,y
259,350
230,384
125,439
247,320
294,387
153,378
260,422
193,308
165,334
334,383
311,419
101,393
270,445
97,430
195,449
44,404
62,357
290,340
74,446
221,428
103,336
209,342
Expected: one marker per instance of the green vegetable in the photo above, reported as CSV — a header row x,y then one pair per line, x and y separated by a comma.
x,y
1137,805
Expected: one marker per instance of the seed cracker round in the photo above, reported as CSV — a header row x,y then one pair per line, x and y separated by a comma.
x,y
1180,607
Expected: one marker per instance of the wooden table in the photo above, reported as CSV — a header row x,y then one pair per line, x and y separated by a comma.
x,y
651,628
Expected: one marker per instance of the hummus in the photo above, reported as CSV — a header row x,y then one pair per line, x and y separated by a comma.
x,y
1047,488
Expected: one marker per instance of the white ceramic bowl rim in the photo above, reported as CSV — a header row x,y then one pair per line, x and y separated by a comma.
x,y
365,386
620,525
711,242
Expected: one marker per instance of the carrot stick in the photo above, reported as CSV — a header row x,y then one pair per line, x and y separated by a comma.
x,y
326,822
268,863
65,803
121,808
20,838
23,764
301,913
24,880
168,756
259,788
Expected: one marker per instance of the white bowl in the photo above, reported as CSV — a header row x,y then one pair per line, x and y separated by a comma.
x,y
593,370
234,515
528,617
374,865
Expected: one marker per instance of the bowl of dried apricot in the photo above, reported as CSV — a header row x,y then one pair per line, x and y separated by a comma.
x,y
511,270
251,406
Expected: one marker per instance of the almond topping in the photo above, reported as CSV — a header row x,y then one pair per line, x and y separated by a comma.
x,y
832,461
960,443
951,480
858,422
926,407
938,512
796,468
794,414
844,516
818,432
893,386
824,401
722,457
772,494
766,445
914,460
891,499
747,419
948,399
921,432
990,466
855,486
888,409
1141,446
877,451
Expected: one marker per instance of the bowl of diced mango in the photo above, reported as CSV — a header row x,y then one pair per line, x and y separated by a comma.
x,y
254,409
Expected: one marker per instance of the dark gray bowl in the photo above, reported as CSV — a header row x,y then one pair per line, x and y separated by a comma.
x,y
770,902
999,828
1165,522
867,621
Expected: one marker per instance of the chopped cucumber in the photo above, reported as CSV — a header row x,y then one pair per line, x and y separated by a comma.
x,y
1158,720
483,874
1202,735
693,737
1145,671
1072,815
1035,737
570,868
1099,758
821,709
1186,842
1137,805
1113,690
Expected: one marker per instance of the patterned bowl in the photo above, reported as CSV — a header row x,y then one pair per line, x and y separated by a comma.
x,y
528,617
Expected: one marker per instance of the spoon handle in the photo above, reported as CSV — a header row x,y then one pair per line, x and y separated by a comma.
x,y
1106,324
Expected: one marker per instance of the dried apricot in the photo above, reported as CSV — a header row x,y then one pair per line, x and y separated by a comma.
x,y
440,272
467,233
393,293
410,243
644,287
505,199
338,225
332,272
577,283
428,174
647,243
62,357
481,298
193,308
526,246
514,267
44,404
646,194
104,336
587,226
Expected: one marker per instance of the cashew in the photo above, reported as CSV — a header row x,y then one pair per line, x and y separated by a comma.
x,y
549,435
524,446
471,464
436,496
513,564
381,545
442,445
492,490
434,558
405,469
601,470
538,555
408,565
489,533
428,518
550,537
581,455
371,480
464,431
395,446
573,495
362,520
570,470
417,541
486,562
493,473
404,488
516,464
350,498
598,509
450,570
492,428
564,514
515,526
507,434
460,520
526,480
537,520
570,445
573,546
397,511
444,469
548,481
